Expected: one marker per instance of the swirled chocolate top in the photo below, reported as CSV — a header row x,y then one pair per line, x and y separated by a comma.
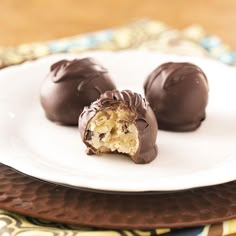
x,y
72,85
85,68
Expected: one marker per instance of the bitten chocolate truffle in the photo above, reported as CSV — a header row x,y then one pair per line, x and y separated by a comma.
x,y
120,122
72,85
178,95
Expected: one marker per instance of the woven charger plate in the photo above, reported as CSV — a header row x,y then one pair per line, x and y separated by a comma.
x,y
28,196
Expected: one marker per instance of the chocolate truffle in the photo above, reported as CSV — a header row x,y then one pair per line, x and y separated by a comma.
x,y
120,122
72,85
178,95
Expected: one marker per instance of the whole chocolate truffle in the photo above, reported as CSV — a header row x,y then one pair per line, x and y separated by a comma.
x,y
120,122
72,85
178,95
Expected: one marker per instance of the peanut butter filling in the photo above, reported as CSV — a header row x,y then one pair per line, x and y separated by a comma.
x,y
113,130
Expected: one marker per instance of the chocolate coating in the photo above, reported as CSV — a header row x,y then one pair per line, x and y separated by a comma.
x,y
178,95
72,85
145,121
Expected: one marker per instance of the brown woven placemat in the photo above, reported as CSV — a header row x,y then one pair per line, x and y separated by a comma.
x,y
31,197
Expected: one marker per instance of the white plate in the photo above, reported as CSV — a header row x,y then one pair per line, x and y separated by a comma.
x,y
35,146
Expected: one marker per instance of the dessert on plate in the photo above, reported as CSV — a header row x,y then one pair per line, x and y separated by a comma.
x,y
120,122
72,85
178,95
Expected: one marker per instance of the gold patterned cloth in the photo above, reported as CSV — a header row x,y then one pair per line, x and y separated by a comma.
x,y
143,34
17,225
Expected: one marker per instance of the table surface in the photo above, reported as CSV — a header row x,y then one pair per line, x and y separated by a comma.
x,y
37,20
